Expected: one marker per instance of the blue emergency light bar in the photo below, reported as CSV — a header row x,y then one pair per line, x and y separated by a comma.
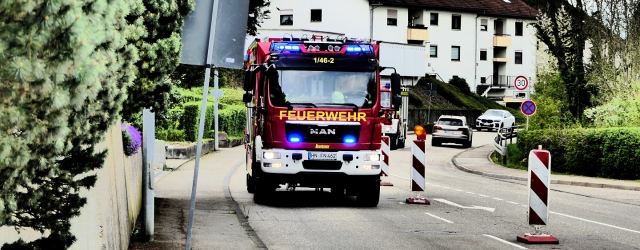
x,y
387,85
296,48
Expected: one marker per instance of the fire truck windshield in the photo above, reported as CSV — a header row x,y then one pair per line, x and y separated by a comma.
x,y
385,99
324,88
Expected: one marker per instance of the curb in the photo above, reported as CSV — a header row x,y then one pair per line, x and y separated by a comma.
x,y
166,172
553,181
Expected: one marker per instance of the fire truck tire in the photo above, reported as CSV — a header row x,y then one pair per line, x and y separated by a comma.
x,y
393,142
251,185
369,194
263,191
401,143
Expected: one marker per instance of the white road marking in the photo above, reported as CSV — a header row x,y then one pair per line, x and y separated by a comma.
x,y
504,241
595,222
497,199
483,195
445,220
514,203
399,177
446,187
471,193
461,206
458,190
524,205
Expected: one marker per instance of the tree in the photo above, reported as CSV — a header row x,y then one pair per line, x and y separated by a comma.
x,y
256,11
561,26
157,37
64,70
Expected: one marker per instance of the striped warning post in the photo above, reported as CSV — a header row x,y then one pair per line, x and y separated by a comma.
x,y
385,161
385,154
539,182
417,165
417,172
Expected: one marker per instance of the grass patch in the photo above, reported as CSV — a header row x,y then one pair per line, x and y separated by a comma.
x,y
494,158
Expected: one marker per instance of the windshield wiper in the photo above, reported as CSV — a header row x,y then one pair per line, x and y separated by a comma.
x,y
355,107
290,104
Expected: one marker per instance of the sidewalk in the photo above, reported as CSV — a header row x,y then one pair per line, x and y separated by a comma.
x,y
218,221
477,161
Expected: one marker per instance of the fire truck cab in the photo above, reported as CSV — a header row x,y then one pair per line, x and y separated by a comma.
x,y
314,116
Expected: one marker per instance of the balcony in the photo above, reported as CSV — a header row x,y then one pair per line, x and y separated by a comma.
x,y
501,59
417,33
500,81
501,40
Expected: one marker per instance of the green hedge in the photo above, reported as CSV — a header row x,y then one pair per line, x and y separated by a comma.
x,y
232,120
170,135
191,119
609,153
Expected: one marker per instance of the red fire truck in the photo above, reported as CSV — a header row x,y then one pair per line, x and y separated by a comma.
x,y
314,116
394,118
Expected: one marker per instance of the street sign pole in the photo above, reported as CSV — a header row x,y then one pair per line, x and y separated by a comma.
x,y
528,98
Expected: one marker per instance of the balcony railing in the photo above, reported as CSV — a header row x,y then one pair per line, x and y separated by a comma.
x,y
501,40
499,81
418,32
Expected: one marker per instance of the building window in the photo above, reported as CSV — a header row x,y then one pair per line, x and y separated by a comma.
x,y
518,28
286,17
316,15
518,58
456,22
392,17
483,25
483,55
455,53
434,19
433,51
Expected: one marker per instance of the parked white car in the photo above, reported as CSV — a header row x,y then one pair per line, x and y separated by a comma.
x,y
493,119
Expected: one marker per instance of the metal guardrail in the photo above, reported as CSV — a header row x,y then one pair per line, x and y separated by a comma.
x,y
503,136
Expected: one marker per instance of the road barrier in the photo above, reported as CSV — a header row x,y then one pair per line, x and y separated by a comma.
x,y
386,151
503,138
418,180
539,182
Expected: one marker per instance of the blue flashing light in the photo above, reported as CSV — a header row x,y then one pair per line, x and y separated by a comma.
x,y
366,48
387,85
349,139
358,48
281,47
292,48
295,138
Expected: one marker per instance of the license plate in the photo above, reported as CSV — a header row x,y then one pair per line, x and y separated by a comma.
x,y
323,156
486,124
451,132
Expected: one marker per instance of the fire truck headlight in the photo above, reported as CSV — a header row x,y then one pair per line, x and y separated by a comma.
x,y
371,157
271,155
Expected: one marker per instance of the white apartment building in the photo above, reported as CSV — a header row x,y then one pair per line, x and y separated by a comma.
x,y
487,42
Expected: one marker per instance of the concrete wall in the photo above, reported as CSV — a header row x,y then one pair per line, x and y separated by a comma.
x,y
113,204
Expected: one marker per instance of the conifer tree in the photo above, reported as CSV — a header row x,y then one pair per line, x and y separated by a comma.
x,y
64,69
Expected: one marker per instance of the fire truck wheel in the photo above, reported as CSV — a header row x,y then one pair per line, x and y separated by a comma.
x,y
401,143
393,142
369,194
263,191
251,186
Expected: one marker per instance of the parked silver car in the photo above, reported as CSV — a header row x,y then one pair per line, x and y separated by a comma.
x,y
452,129
494,119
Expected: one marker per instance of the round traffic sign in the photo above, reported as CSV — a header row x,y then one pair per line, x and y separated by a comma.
x,y
521,82
528,107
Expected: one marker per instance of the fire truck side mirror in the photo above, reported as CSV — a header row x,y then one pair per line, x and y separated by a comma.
x,y
397,101
395,84
249,80
246,97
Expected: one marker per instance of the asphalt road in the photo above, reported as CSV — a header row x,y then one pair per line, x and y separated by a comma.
x,y
467,211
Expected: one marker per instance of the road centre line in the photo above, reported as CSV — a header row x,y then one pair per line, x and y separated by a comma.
x,y
471,193
595,222
514,203
458,190
445,220
504,241
483,195
497,199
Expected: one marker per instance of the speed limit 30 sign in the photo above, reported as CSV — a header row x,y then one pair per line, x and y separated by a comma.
x,y
521,83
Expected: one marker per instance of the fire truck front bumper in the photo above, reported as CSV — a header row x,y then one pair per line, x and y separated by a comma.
x,y
281,161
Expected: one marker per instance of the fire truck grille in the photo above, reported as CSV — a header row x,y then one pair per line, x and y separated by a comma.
x,y
324,134
322,165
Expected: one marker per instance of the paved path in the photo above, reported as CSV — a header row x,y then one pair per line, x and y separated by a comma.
x,y
476,160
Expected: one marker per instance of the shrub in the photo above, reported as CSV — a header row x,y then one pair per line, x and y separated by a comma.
x,y
190,119
232,120
131,139
461,84
170,135
608,153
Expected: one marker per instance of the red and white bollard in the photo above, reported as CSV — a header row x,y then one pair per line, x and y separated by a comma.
x,y
418,181
539,182
385,162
